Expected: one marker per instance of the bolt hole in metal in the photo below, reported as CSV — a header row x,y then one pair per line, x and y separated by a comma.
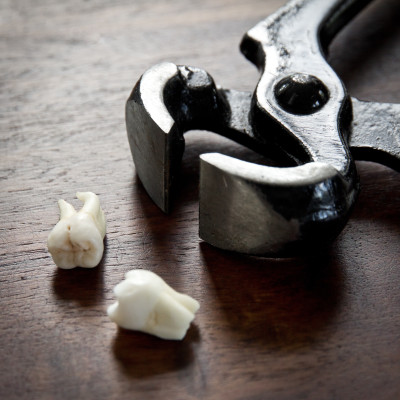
x,y
301,94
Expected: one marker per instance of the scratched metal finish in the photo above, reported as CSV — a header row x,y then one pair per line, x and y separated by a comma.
x,y
376,132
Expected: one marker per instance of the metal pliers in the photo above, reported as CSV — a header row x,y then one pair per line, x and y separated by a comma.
x,y
300,114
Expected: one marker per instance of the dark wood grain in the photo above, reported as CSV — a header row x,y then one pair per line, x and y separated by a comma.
x,y
326,326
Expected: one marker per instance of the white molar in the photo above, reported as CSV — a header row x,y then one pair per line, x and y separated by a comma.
x,y
146,303
77,239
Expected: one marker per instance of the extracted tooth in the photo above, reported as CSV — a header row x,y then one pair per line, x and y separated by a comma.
x,y
77,238
146,303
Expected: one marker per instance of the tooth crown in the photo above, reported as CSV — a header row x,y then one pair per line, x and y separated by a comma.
x,y
77,238
146,303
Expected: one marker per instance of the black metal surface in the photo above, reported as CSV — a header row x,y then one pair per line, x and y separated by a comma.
x,y
299,114
301,94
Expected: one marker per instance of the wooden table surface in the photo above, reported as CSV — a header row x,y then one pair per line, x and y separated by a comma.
x,y
326,326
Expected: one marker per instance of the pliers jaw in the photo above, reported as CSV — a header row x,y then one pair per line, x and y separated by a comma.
x,y
300,115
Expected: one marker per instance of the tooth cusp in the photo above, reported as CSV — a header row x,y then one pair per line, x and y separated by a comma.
x,y
77,238
145,302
